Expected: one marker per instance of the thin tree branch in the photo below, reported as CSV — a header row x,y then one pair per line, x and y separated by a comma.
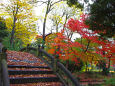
x,y
43,2
57,2
87,46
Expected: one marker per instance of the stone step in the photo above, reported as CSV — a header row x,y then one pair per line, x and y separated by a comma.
x,y
19,72
24,66
33,80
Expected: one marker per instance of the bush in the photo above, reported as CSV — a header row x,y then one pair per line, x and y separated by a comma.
x,y
110,82
102,64
3,28
74,67
17,44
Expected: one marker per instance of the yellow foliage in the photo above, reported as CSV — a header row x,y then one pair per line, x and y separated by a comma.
x,y
25,21
9,23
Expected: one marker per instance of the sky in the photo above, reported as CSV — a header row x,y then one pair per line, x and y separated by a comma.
x,y
3,1
40,11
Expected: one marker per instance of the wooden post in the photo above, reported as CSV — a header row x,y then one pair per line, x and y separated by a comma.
x,y
56,60
4,71
0,69
1,46
27,48
39,53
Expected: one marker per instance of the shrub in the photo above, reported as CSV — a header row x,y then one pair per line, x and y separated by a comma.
x,y
110,82
74,67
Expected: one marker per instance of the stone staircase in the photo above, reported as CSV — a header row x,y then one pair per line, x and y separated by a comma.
x,y
27,70
32,74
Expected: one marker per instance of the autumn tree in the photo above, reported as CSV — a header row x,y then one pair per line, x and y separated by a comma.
x,y
59,19
18,14
101,16
50,5
78,26
90,37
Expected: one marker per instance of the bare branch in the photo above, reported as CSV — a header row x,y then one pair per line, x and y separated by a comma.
x,y
43,2
56,2
51,9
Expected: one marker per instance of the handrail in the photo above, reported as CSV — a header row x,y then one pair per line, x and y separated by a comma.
x,y
62,67
4,71
68,73
28,48
56,66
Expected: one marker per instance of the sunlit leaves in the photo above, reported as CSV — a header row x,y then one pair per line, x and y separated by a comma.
x,y
51,51
90,40
20,17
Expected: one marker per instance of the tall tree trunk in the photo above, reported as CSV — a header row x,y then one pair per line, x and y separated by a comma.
x,y
92,64
12,33
86,69
56,29
13,29
49,8
109,63
85,52
44,24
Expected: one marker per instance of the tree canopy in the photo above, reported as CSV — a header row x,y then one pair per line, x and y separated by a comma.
x,y
102,17
74,2
19,20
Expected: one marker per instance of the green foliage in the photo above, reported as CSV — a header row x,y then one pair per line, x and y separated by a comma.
x,y
110,82
33,52
39,41
102,17
85,42
74,2
102,65
3,32
34,44
20,20
17,44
